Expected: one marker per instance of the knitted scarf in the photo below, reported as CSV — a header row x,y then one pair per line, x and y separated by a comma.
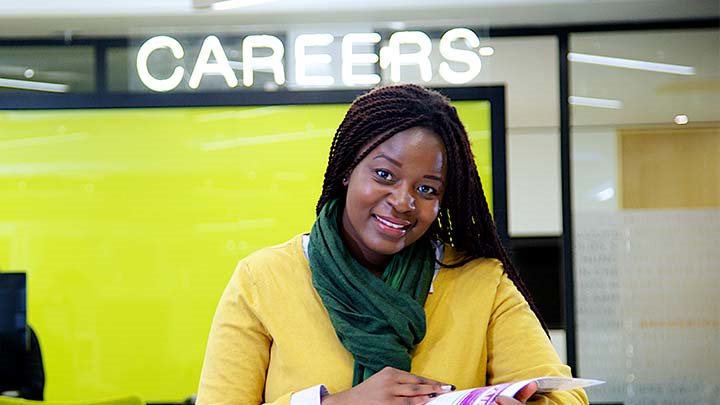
x,y
379,321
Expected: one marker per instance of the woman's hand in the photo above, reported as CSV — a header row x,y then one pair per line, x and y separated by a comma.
x,y
390,386
520,398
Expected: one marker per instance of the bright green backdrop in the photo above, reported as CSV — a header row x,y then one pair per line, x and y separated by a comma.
x,y
129,223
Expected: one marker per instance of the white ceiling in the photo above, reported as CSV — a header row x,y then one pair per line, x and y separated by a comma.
x,y
127,17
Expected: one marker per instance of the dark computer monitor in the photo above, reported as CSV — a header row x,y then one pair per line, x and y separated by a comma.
x,y
539,261
13,312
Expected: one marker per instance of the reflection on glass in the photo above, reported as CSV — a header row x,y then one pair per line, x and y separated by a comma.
x,y
57,69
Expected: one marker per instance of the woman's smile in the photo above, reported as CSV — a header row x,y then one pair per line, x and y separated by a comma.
x,y
391,226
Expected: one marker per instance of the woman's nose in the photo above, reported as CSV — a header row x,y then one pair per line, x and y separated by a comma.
x,y
402,200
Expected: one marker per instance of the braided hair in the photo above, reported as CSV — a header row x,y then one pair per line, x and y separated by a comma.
x,y
464,221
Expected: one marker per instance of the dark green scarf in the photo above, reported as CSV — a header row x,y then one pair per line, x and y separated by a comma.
x,y
378,321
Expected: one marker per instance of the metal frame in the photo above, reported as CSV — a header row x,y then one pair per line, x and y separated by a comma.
x,y
568,274
103,99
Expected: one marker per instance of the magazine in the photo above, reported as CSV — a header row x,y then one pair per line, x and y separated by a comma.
x,y
488,395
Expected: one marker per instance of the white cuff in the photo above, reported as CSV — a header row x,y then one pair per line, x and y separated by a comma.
x,y
309,396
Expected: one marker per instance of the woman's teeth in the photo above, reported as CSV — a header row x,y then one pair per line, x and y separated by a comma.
x,y
390,224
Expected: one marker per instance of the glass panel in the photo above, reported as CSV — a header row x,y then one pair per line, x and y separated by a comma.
x,y
646,193
57,69
118,67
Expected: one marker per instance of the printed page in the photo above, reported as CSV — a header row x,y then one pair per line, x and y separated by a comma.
x,y
488,395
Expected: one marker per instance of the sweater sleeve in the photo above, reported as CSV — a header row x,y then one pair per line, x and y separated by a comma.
x,y
238,349
519,349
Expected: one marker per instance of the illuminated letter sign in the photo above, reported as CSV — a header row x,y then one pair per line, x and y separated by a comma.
x,y
470,58
211,46
393,56
274,61
302,60
143,55
349,59
420,58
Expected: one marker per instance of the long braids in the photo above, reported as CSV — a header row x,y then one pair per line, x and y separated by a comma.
x,y
464,220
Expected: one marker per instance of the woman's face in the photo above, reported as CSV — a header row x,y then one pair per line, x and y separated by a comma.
x,y
393,195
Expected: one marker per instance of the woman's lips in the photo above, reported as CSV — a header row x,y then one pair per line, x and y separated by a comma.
x,y
392,226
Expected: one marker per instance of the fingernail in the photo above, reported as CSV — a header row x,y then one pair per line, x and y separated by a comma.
x,y
432,394
448,388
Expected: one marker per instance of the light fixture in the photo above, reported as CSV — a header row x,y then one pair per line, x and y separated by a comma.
x,y
29,73
681,119
397,25
631,64
602,192
30,85
486,51
605,194
595,102
230,4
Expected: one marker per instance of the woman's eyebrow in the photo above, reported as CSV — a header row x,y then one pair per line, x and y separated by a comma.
x,y
393,161
434,178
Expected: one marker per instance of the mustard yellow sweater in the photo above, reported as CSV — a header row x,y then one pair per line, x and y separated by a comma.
x,y
271,335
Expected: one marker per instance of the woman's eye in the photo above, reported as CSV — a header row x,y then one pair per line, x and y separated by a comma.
x,y
427,190
384,174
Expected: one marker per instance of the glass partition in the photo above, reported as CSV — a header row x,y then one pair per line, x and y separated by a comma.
x,y
646,194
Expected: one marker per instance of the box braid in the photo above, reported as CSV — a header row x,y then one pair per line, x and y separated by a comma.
x,y
464,219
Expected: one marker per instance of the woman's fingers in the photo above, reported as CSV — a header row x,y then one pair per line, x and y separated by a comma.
x,y
520,398
507,401
415,390
403,377
524,394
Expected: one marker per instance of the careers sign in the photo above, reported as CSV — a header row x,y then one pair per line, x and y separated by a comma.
x,y
403,48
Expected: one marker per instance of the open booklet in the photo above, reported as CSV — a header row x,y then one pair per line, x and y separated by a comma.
x,y
488,395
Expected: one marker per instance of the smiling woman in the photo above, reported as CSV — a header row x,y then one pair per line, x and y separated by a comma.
x,y
401,291
393,196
